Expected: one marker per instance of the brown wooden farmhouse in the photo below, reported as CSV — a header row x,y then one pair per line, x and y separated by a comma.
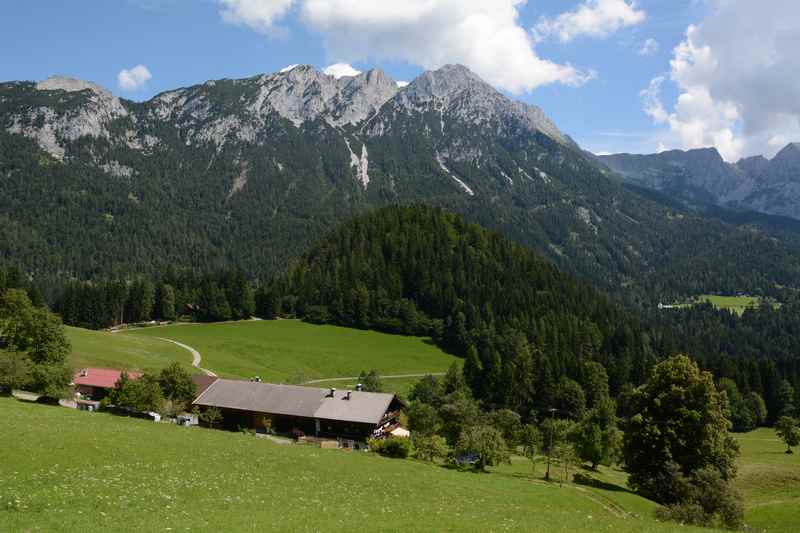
x,y
302,411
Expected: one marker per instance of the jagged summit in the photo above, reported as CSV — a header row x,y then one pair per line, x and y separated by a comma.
x,y
701,176
754,166
457,88
789,154
305,93
446,81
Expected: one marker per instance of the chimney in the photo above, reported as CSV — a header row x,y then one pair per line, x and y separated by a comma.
x,y
359,387
333,392
84,373
347,396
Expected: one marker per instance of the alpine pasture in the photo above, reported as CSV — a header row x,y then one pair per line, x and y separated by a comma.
x,y
114,473
296,352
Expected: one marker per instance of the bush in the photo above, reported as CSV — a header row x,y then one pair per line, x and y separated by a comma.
x,y
430,447
683,513
393,447
708,500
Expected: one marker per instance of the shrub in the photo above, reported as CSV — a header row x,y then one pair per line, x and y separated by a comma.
x,y
430,447
708,500
683,513
394,447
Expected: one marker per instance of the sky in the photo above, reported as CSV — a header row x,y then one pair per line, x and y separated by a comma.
x,y
636,76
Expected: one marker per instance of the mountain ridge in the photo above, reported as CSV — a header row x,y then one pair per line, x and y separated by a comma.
x,y
701,176
248,173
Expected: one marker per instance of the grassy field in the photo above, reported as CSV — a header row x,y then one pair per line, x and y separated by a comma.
x,y
118,350
735,304
769,480
294,351
109,473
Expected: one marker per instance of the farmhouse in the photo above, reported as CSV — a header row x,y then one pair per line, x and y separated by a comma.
x,y
302,411
95,383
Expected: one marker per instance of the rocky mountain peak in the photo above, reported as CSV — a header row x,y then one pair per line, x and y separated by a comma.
x,y
785,166
88,110
303,93
70,85
457,89
790,154
445,82
101,97
753,166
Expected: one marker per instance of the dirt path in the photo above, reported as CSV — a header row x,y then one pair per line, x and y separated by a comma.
x,y
396,376
196,359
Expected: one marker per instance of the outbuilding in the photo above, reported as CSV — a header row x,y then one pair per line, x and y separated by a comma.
x,y
95,383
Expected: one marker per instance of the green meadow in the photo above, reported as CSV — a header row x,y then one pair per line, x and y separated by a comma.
x,y
119,350
735,304
295,351
105,473
769,480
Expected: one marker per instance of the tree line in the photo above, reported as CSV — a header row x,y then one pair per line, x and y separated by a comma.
x,y
103,304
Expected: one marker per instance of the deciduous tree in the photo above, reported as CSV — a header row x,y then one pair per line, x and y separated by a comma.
x,y
486,443
788,430
680,423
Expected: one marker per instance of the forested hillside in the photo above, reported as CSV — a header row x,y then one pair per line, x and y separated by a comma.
x,y
247,174
522,326
519,322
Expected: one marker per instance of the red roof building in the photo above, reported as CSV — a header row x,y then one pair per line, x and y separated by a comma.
x,y
95,383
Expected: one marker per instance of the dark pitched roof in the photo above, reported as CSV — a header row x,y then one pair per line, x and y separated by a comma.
x,y
291,400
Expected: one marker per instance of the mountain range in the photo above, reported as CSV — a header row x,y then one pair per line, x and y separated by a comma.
x,y
701,176
248,173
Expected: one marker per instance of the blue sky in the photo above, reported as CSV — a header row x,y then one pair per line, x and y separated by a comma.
x,y
593,93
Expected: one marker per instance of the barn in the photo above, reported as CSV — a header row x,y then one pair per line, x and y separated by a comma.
x,y
302,411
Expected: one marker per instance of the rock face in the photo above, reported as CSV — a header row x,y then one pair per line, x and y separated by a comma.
x,y
456,89
91,112
220,111
701,176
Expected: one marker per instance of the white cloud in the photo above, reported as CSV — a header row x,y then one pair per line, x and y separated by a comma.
x,y
738,78
341,70
402,84
259,15
648,48
484,36
593,18
134,78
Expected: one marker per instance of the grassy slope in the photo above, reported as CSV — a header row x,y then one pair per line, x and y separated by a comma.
x,y
108,473
118,350
293,351
769,480
736,304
